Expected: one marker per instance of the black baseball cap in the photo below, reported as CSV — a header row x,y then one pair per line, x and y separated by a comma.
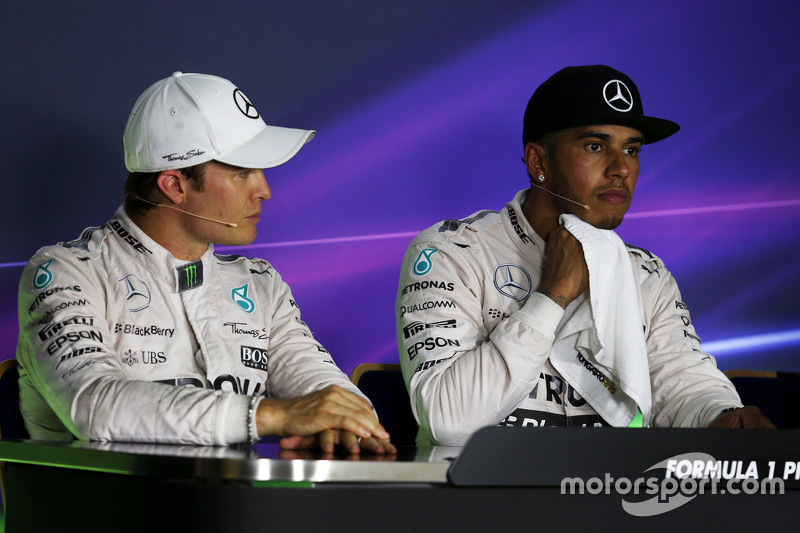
x,y
587,95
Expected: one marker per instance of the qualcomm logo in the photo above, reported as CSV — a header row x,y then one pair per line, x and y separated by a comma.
x,y
239,295
423,264
43,276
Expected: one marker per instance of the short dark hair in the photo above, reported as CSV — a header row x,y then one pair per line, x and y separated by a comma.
x,y
143,185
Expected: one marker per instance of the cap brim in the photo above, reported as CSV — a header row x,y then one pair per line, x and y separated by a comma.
x,y
653,129
272,147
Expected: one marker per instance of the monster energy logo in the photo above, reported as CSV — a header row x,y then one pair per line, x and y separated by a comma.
x,y
190,276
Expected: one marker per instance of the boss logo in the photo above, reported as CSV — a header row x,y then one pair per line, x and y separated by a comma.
x,y
253,357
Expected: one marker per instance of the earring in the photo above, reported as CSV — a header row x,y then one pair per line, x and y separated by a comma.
x,y
540,177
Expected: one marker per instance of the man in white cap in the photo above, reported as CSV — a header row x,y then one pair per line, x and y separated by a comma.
x,y
539,315
138,331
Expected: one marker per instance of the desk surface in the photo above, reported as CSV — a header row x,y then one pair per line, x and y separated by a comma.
x,y
261,462
495,456
505,479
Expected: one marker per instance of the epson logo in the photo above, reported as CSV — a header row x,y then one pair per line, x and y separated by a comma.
x,y
430,344
253,357
73,336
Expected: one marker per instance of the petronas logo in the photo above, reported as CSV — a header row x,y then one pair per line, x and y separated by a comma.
x,y
43,276
423,264
239,295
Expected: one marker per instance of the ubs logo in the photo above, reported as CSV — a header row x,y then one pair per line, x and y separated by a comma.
x,y
137,293
512,281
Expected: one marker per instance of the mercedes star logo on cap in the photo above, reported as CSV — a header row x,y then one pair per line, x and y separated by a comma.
x,y
244,104
618,96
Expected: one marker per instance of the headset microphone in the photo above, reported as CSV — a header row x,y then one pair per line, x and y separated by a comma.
x,y
562,197
229,224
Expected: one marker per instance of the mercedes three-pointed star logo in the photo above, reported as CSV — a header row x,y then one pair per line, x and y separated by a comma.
x,y
618,96
137,295
244,105
512,281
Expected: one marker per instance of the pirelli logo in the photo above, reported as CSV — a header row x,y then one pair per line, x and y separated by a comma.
x,y
190,276
415,327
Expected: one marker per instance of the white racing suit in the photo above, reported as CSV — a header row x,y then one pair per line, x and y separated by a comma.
x,y
475,338
120,341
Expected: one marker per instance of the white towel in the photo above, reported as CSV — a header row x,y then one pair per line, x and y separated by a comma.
x,y
611,369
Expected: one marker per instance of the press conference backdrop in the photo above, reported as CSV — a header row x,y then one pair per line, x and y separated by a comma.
x,y
418,107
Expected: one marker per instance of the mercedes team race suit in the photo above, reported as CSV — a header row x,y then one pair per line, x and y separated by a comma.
x,y
475,338
121,341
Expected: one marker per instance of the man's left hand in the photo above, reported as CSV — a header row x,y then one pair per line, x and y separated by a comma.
x,y
748,417
327,439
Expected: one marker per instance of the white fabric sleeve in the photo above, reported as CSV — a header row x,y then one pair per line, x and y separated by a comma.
x,y
460,376
78,375
298,364
688,388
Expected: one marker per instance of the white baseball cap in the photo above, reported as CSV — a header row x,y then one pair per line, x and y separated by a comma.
x,y
188,119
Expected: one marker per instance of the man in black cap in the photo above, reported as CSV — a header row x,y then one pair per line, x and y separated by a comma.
x,y
539,315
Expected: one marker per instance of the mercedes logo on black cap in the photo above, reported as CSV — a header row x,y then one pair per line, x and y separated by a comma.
x,y
244,104
618,96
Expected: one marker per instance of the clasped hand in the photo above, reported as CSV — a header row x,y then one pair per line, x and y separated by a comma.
x,y
324,418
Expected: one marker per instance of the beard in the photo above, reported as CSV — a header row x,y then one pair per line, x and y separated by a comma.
x,y
562,186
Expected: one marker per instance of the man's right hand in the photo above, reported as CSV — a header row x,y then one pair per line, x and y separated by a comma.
x,y
326,412
566,275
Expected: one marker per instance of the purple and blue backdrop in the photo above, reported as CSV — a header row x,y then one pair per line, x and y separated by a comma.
x,y
418,107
